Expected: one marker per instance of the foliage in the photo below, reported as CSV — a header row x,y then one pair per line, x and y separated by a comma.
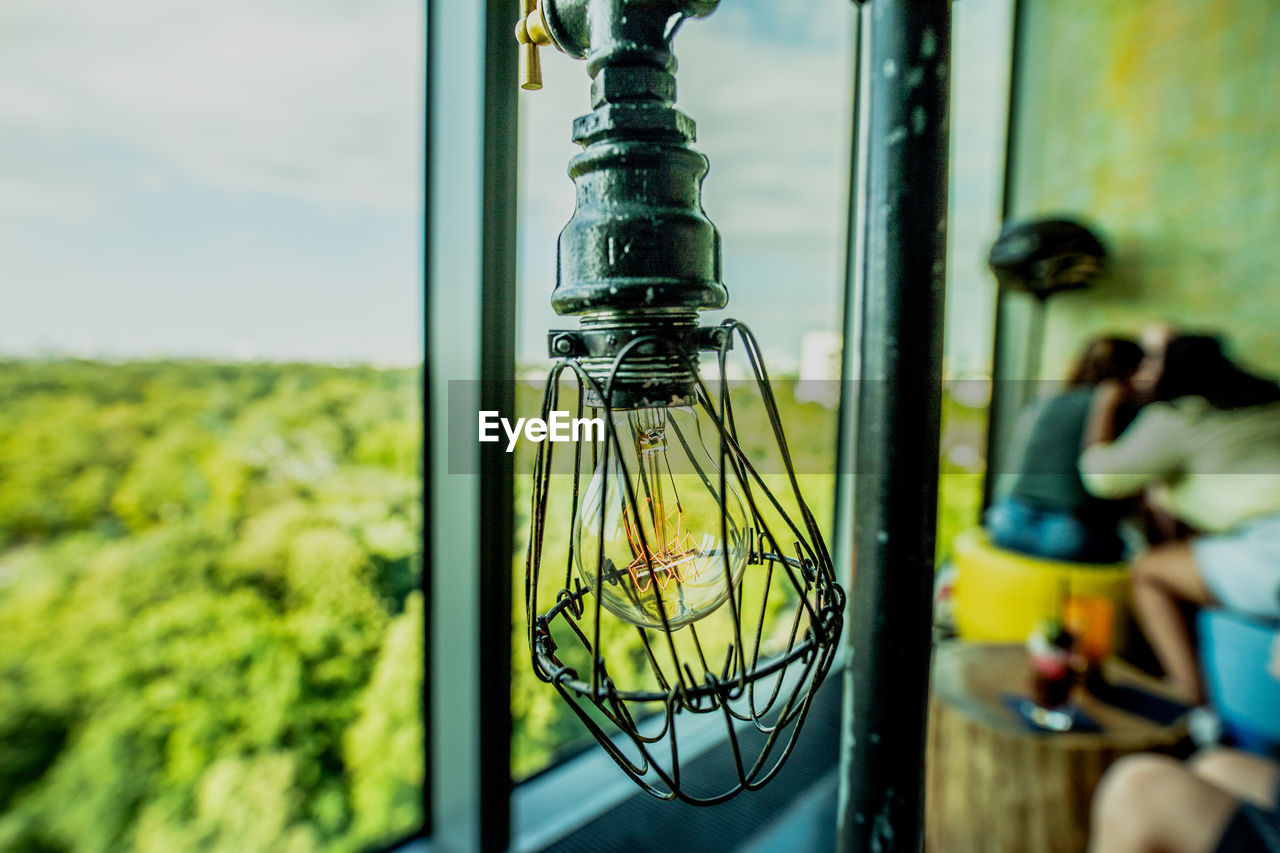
x,y
209,609
208,597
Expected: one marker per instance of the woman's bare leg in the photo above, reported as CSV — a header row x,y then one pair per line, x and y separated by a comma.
x,y
1164,578
1249,777
1152,802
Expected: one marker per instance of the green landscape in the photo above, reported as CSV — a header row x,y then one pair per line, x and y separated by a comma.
x,y
209,607
209,603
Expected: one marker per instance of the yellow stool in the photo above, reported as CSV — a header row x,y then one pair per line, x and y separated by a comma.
x,y
1001,595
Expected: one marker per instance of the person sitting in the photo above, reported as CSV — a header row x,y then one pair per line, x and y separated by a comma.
x,y
1049,513
1221,800
1208,452
1155,524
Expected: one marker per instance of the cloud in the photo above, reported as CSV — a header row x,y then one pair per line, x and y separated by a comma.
x,y
318,99
46,200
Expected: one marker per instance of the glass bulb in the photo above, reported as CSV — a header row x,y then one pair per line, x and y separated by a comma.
x,y
665,552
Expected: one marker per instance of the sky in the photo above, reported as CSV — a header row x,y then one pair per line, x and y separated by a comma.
x,y
243,179
239,179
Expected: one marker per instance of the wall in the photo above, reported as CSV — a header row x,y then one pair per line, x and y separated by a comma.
x,y
1158,122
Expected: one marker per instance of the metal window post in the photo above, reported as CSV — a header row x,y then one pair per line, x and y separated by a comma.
x,y
470,260
1010,339
899,410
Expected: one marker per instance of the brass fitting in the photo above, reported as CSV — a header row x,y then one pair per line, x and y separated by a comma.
x,y
532,32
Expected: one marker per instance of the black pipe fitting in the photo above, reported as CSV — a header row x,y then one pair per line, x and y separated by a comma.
x,y
639,255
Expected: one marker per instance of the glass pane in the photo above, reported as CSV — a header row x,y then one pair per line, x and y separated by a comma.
x,y
981,41
769,86
210,239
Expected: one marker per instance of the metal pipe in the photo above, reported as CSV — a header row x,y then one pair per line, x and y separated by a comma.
x,y
639,258
899,413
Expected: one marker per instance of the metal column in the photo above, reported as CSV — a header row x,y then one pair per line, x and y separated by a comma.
x,y
470,260
899,411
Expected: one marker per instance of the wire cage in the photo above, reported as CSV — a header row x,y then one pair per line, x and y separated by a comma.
x,y
695,584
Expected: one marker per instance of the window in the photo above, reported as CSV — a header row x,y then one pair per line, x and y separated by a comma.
x,y
210,426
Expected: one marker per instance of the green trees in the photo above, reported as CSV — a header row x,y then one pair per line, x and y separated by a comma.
x,y
210,630
211,638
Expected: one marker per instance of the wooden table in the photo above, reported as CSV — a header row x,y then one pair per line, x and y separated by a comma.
x,y
995,785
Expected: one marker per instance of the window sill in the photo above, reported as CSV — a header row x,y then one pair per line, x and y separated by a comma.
x,y
587,802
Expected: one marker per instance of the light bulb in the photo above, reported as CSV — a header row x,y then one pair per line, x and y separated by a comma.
x,y
665,552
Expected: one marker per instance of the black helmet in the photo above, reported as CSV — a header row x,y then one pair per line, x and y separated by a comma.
x,y
1045,256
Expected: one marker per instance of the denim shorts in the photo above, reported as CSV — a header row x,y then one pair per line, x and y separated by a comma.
x,y
1252,830
1242,567
1052,534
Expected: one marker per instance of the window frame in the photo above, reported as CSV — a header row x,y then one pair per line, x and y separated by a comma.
x,y
469,236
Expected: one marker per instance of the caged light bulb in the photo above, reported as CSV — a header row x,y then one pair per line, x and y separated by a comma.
x,y
666,553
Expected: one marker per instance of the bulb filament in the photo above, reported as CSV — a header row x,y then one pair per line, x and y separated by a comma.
x,y
677,555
